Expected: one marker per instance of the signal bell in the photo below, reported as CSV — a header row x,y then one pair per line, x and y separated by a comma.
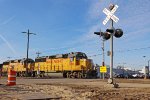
x,y
118,33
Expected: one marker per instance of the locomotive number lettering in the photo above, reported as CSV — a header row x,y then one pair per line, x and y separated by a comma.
x,y
57,61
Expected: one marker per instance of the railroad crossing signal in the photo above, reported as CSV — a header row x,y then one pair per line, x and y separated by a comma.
x,y
110,15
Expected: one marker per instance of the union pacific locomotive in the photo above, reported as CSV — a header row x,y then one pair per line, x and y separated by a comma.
x,y
71,65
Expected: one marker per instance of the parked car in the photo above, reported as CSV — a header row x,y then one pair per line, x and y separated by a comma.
x,y
123,76
140,75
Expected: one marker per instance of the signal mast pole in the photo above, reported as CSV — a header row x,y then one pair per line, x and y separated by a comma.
x,y
111,55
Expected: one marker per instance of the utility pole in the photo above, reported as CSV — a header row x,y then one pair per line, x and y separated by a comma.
x,y
103,59
38,53
148,62
104,36
145,77
38,72
9,63
28,36
148,69
9,58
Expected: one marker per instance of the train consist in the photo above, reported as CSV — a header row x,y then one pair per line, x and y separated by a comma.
x,y
71,65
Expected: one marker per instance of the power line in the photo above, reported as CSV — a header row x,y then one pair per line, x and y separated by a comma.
x,y
136,49
119,51
127,50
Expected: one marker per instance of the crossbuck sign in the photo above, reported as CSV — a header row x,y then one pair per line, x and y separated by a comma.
x,y
110,15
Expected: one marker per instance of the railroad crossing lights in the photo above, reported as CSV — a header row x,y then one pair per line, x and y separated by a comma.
x,y
110,15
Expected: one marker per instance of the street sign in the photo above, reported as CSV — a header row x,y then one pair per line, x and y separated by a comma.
x,y
110,15
103,69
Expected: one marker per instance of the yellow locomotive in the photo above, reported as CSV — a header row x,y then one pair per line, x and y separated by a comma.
x,y
19,65
71,65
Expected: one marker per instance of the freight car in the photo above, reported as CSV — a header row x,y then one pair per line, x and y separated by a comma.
x,y
19,65
71,65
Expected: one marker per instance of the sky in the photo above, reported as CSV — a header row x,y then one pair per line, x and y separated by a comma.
x,y
64,26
